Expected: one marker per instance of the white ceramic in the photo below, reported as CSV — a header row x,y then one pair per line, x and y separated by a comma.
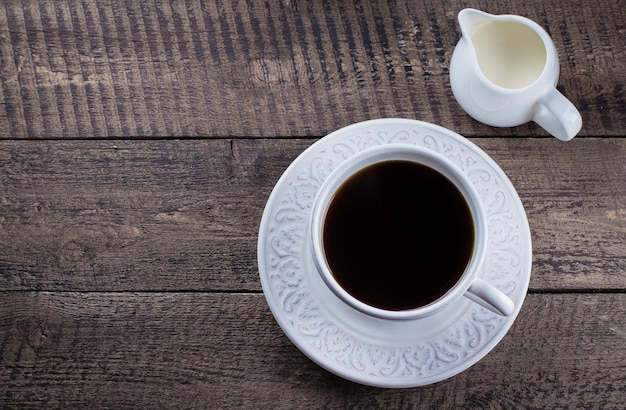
x,y
360,347
504,72
470,284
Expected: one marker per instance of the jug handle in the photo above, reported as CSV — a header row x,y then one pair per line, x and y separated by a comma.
x,y
557,115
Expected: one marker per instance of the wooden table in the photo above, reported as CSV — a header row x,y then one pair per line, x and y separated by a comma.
x,y
139,142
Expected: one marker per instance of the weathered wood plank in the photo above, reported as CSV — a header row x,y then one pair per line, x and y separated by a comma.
x,y
280,68
121,350
184,214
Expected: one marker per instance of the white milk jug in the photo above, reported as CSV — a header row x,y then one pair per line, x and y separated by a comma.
x,y
504,72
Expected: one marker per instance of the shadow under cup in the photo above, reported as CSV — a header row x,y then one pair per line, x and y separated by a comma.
x,y
398,232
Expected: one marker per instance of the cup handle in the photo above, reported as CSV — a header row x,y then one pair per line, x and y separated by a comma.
x,y
489,297
557,115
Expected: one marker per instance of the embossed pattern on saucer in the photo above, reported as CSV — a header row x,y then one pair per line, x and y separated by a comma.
x,y
387,353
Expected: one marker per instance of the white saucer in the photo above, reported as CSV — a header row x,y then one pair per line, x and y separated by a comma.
x,y
355,346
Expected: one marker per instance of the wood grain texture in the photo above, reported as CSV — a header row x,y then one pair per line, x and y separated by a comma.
x,y
128,350
139,142
184,214
197,68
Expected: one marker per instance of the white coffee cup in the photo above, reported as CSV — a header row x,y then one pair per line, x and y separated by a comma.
x,y
469,284
504,71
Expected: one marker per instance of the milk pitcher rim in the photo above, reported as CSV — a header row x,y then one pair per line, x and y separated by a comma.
x,y
551,66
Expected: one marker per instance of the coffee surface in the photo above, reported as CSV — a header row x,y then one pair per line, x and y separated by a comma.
x,y
398,235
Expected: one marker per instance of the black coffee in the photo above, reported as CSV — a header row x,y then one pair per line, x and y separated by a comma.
x,y
398,235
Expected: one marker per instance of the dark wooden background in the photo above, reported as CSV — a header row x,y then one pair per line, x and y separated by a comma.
x,y
139,141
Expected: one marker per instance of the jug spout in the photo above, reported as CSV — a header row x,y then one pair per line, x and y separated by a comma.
x,y
471,19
